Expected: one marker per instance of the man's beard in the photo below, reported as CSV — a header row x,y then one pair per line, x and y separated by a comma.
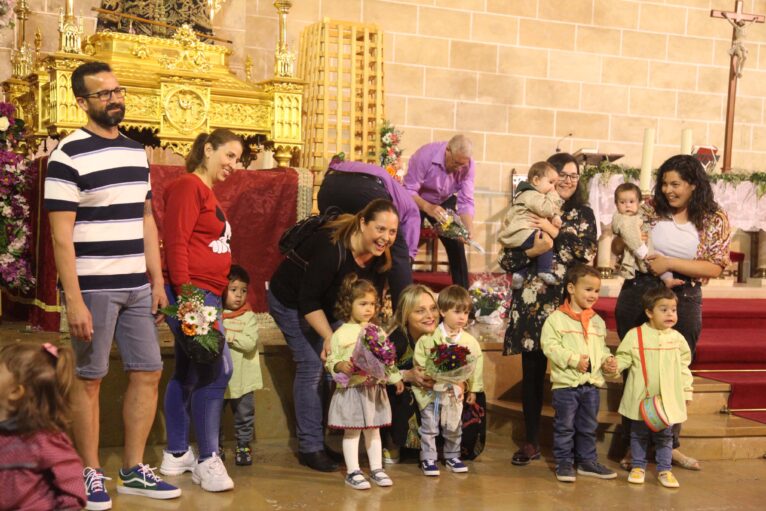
x,y
109,120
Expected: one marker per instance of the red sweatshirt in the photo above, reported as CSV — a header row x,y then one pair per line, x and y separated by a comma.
x,y
39,472
195,236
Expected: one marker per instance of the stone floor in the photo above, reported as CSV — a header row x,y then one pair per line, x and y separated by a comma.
x,y
276,482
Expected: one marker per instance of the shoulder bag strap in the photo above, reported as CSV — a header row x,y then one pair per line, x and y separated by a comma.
x,y
643,360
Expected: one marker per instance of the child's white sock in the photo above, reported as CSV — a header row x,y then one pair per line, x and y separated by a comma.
x,y
374,448
351,449
642,251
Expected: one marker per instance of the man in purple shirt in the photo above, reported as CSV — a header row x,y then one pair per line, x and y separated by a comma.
x,y
440,176
350,186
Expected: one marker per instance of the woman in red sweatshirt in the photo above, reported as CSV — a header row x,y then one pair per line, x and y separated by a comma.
x,y
196,241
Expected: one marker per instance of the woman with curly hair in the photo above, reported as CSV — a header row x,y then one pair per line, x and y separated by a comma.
x,y
574,242
691,235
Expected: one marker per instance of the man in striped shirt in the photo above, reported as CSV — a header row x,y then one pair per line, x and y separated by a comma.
x,y
98,196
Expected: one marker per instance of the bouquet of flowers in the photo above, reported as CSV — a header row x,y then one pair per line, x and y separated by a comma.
x,y
390,152
449,365
373,355
452,227
491,299
201,340
15,178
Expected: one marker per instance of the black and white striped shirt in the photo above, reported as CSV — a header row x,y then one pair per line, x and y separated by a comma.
x,y
106,182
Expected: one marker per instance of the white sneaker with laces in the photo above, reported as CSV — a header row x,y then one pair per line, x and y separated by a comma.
x,y
172,466
211,475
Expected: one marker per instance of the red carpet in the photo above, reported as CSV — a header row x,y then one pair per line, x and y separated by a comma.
x,y
733,338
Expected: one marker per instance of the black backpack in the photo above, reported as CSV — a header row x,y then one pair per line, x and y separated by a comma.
x,y
297,235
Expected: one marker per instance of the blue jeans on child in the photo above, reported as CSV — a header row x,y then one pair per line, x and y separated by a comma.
x,y
543,262
195,393
243,408
575,423
429,430
306,345
639,444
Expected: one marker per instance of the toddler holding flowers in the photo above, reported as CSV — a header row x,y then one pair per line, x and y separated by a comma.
x,y
454,306
360,402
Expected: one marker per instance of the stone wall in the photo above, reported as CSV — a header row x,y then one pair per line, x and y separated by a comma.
x,y
517,75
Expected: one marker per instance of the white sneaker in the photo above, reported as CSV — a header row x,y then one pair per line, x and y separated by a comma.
x,y
212,475
172,466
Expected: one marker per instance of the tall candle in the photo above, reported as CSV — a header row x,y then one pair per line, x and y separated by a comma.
x,y
645,177
211,9
604,255
69,8
686,141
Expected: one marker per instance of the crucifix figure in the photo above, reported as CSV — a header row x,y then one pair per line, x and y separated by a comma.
x,y
738,52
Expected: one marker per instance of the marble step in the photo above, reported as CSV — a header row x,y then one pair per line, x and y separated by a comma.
x,y
703,436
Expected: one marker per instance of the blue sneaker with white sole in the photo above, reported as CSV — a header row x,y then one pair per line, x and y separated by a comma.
x,y
456,465
95,490
142,481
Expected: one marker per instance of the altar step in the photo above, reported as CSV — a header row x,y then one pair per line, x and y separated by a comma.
x,y
709,433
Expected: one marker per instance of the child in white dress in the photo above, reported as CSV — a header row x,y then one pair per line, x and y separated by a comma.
x,y
362,404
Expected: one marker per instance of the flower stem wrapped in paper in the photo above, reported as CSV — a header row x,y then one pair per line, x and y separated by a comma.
x,y
450,365
374,356
201,339
452,227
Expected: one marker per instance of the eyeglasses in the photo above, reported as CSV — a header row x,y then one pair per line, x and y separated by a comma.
x,y
569,177
106,95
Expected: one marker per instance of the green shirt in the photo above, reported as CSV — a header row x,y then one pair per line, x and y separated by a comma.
x,y
667,358
242,337
563,341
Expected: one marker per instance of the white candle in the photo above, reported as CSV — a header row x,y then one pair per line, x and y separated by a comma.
x,y
211,9
604,256
686,141
645,177
69,8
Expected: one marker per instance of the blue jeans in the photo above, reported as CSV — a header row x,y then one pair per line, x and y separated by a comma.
x,y
639,444
575,423
195,393
542,263
306,346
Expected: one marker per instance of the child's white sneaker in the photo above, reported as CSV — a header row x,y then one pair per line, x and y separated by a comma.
x,y
357,481
380,478
175,466
668,480
637,475
211,475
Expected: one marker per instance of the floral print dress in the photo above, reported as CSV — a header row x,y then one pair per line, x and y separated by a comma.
x,y
535,301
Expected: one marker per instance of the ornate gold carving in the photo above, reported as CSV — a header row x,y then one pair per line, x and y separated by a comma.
x,y
191,55
142,105
70,32
141,51
186,108
236,114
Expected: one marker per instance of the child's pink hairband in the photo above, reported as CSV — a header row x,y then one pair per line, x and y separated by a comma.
x,y
50,348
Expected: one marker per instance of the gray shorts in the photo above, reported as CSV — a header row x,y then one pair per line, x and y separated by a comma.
x,y
125,316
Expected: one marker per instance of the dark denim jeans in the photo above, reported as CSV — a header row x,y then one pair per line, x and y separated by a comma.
x,y
575,423
195,393
639,444
306,345
540,264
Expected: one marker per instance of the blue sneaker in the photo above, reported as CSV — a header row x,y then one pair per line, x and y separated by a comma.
x,y
456,465
429,468
141,480
95,491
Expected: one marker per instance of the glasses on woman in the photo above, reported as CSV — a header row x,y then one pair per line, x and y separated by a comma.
x,y
569,177
106,95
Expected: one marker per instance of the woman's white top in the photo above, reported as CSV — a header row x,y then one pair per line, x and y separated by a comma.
x,y
675,240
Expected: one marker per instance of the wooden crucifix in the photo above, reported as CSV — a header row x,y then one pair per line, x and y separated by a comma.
x,y
738,52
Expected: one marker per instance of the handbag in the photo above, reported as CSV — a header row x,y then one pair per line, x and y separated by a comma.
x,y
651,407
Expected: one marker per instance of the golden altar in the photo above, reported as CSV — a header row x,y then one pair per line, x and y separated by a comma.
x,y
177,87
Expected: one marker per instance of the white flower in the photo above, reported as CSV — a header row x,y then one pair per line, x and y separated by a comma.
x,y
4,123
6,210
515,316
192,318
210,314
528,344
203,330
529,295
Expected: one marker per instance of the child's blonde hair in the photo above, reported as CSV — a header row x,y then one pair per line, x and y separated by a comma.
x,y
351,289
46,373
454,297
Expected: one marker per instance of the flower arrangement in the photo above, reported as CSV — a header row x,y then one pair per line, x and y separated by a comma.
x,y
390,152
452,227
15,178
203,340
373,355
447,357
449,365
491,299
7,18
